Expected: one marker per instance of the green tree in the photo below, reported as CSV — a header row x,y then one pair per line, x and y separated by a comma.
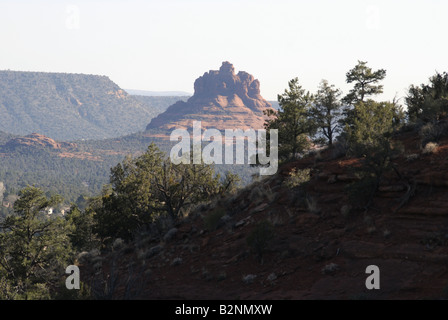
x,y
182,185
428,102
369,132
292,121
82,236
230,184
327,110
34,248
365,82
260,237
149,187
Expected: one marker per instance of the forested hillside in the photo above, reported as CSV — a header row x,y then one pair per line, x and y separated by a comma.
x,y
72,106
75,169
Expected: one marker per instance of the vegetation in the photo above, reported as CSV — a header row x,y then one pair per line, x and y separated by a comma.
x,y
369,133
259,238
298,177
365,83
124,198
212,219
368,128
147,188
81,106
69,177
428,102
327,110
34,248
292,121
77,179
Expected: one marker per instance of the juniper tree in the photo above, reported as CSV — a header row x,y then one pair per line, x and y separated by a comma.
x,y
149,188
369,132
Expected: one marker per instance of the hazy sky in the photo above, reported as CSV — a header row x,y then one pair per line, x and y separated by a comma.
x,y
166,45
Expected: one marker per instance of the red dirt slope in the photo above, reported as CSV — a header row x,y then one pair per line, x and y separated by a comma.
x,y
321,246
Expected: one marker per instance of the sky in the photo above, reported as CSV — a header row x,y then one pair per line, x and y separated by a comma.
x,y
166,45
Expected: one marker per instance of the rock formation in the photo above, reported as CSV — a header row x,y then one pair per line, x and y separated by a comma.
x,y
37,141
222,99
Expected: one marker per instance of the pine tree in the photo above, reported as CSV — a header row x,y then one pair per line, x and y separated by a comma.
x,y
326,110
34,248
369,132
429,102
292,121
365,83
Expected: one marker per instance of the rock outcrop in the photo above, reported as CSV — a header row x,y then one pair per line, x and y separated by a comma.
x,y
38,141
222,99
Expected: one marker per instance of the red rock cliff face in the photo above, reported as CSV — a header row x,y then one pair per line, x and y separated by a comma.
x,y
221,100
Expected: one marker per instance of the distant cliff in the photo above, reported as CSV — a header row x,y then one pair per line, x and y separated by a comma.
x,y
222,99
69,106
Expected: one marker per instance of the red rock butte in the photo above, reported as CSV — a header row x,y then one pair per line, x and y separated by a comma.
x,y
221,100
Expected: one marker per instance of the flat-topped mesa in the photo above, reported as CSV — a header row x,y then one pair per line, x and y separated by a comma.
x,y
222,99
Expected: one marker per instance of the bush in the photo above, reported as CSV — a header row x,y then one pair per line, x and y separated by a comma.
x,y
360,192
431,132
297,177
258,239
330,268
212,219
412,157
312,205
340,147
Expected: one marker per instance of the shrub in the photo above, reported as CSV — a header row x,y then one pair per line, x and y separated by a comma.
x,y
340,147
212,219
250,278
118,244
361,191
256,194
311,204
222,276
176,261
298,177
412,157
330,268
431,132
260,191
258,240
